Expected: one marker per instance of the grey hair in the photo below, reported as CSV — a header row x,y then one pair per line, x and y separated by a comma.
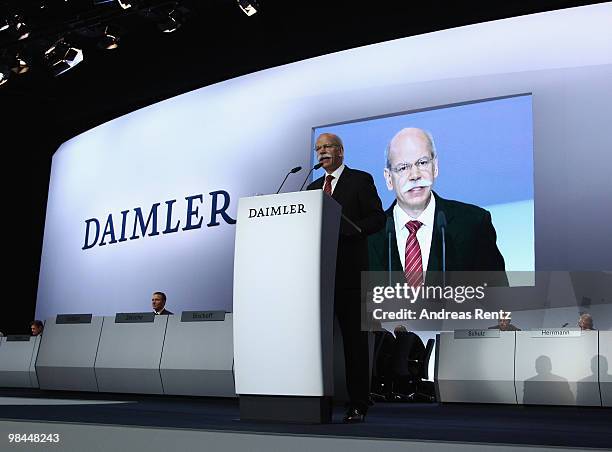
x,y
431,143
584,316
336,137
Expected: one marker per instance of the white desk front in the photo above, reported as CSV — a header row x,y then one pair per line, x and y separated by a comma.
x,y
67,355
557,367
476,369
17,360
198,357
129,355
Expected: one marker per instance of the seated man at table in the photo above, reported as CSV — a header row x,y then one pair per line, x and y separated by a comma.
x,y
505,325
158,302
37,327
585,321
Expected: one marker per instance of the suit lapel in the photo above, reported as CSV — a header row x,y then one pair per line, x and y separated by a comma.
x,y
391,243
341,185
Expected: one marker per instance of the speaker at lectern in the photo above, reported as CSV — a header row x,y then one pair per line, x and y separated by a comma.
x,y
284,267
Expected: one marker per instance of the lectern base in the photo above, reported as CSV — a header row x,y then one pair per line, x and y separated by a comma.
x,y
293,409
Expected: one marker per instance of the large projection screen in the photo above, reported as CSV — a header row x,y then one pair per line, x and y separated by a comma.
x,y
169,176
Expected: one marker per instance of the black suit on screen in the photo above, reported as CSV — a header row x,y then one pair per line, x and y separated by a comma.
x,y
470,245
356,193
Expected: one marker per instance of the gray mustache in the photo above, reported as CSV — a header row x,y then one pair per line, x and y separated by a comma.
x,y
409,185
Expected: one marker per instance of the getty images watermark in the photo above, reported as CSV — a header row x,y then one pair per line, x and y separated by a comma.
x,y
448,296
462,300
405,293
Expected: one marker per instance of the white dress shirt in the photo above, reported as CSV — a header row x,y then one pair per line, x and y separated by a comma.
x,y
336,175
424,234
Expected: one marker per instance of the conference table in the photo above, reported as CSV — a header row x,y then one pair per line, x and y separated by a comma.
x,y
186,354
192,354
547,366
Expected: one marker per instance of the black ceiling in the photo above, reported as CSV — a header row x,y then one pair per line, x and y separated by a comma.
x,y
217,42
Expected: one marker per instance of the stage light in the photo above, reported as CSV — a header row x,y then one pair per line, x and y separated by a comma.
x,y
249,7
20,66
16,27
4,74
124,4
61,57
110,40
172,22
21,29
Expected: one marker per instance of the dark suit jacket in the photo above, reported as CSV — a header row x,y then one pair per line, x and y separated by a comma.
x,y
470,245
356,193
165,312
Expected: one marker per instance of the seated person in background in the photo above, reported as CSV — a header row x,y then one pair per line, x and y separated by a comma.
x,y
408,351
382,377
158,302
504,325
37,327
399,330
585,321
1,334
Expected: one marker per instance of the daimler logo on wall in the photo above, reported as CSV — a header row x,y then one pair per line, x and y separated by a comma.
x,y
286,209
167,218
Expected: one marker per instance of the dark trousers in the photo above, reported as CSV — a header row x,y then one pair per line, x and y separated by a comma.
x,y
347,308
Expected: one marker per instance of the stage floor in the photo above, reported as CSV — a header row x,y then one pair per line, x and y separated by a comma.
x,y
462,423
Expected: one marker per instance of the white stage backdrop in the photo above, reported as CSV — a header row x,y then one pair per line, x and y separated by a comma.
x,y
168,177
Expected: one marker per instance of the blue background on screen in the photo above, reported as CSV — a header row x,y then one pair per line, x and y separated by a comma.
x,y
485,157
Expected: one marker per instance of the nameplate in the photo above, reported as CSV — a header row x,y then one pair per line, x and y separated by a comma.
x,y
475,334
202,316
18,338
134,317
66,319
556,332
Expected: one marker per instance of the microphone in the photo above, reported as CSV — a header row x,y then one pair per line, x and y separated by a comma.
x,y
565,324
294,170
442,225
316,167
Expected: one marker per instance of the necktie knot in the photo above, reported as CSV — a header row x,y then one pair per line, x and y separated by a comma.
x,y
413,226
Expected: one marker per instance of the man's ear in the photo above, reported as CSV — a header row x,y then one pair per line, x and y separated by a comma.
x,y
388,180
435,168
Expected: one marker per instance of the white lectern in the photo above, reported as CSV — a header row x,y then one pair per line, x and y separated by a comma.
x,y
284,267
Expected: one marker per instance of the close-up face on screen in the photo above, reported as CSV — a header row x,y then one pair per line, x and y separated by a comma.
x,y
478,153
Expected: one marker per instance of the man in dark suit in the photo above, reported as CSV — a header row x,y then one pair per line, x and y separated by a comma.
x,y
355,192
158,302
412,228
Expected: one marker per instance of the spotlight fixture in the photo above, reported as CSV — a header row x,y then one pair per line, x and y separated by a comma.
x,y
21,29
4,74
172,21
20,66
248,7
110,39
15,27
61,57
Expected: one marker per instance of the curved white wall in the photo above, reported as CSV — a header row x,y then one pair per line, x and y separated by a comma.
x,y
242,135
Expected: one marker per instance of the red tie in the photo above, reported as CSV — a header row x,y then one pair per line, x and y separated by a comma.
x,y
327,186
413,270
